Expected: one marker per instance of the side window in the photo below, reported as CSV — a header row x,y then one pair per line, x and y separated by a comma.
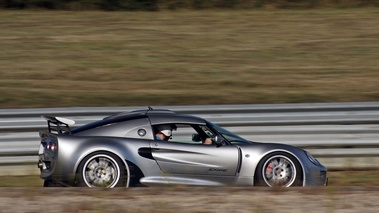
x,y
192,134
184,134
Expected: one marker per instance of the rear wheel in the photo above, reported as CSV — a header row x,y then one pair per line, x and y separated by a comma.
x,y
102,169
279,170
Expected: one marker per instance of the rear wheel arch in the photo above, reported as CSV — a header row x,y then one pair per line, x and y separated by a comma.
x,y
114,163
135,174
290,167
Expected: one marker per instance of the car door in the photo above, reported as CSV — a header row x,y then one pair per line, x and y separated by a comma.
x,y
195,159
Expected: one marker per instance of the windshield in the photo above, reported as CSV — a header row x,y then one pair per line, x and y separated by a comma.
x,y
229,136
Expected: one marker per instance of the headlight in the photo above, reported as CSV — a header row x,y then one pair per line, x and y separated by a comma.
x,y
311,158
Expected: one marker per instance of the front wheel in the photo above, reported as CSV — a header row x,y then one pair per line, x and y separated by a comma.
x,y
279,170
102,169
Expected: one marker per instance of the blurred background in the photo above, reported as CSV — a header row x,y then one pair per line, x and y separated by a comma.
x,y
129,53
122,53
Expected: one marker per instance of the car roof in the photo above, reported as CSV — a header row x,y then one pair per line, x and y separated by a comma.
x,y
139,112
156,117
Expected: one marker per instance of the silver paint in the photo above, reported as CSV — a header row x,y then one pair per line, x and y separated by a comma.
x,y
150,162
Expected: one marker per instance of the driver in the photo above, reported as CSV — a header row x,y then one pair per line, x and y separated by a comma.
x,y
163,132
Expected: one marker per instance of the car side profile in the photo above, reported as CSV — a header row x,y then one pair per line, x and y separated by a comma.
x,y
124,150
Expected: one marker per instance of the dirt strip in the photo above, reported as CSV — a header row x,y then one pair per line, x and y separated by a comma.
x,y
191,200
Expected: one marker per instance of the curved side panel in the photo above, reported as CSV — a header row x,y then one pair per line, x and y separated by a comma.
x,y
72,150
252,155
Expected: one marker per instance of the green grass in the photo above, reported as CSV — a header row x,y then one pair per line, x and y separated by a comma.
x,y
64,59
21,181
336,178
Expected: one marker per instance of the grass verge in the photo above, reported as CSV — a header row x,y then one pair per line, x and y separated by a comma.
x,y
336,178
64,59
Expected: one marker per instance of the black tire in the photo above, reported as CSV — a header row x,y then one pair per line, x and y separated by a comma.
x,y
51,183
102,169
279,169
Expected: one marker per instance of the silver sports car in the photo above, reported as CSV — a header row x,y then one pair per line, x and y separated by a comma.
x,y
160,147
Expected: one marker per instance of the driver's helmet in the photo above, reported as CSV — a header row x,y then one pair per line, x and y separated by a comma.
x,y
166,129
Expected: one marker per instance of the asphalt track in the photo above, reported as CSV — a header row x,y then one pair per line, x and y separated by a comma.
x,y
191,199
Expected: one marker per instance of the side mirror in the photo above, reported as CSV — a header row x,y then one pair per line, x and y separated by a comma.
x,y
219,141
196,138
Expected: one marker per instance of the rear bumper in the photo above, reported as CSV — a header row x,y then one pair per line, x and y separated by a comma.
x,y
45,166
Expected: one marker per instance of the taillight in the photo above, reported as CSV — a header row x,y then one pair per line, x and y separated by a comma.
x,y
52,146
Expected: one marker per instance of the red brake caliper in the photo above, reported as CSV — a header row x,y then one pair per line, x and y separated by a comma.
x,y
268,170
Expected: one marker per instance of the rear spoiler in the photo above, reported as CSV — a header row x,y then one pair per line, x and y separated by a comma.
x,y
58,125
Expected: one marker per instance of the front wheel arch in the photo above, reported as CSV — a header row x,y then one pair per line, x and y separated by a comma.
x,y
279,169
112,167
